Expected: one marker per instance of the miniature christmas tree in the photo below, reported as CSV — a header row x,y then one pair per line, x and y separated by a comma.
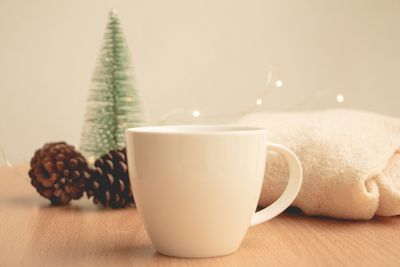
x,y
113,103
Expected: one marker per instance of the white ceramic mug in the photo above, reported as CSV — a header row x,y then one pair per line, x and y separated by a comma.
x,y
197,187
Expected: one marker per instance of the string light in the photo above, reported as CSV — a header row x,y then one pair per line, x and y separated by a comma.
x,y
91,160
270,83
8,163
16,170
114,12
196,113
340,98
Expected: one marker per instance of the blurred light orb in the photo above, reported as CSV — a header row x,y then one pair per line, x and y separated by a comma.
x,y
114,12
259,102
340,98
91,160
279,83
196,113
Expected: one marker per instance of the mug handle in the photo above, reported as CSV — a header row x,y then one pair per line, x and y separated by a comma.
x,y
291,190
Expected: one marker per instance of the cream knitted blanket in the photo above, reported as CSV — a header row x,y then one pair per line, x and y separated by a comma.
x,y
351,161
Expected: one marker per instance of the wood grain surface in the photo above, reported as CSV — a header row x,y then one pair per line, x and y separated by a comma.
x,y
34,234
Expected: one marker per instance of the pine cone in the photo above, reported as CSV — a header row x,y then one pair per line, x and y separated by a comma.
x,y
110,183
58,172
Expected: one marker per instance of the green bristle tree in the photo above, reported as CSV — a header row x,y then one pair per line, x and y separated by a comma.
x,y
113,103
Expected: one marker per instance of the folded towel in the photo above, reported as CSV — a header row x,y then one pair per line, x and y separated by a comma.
x,y
350,159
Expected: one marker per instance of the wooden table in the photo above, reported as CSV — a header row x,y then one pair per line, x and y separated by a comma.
x,y
34,234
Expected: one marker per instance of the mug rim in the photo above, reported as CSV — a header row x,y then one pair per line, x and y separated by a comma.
x,y
197,129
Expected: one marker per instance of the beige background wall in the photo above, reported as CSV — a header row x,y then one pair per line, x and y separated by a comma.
x,y
209,55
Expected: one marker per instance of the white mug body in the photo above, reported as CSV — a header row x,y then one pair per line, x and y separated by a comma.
x,y
196,187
